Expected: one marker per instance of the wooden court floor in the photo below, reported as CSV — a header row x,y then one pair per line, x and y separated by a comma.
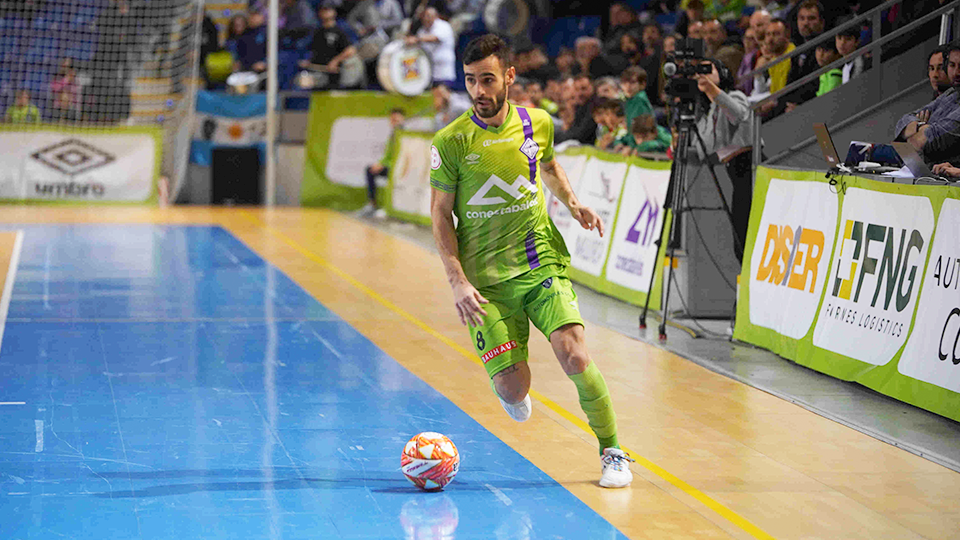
x,y
715,458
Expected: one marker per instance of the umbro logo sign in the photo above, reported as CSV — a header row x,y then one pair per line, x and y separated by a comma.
x,y
473,157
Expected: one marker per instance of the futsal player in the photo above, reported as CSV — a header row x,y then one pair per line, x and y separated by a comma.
x,y
505,260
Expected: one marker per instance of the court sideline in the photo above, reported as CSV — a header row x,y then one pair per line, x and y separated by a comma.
x,y
718,459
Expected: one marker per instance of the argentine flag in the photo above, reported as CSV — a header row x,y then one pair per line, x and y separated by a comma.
x,y
223,119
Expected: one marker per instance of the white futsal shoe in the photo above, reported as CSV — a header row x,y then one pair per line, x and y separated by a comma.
x,y
616,468
521,411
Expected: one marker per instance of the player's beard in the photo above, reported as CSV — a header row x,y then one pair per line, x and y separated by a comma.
x,y
489,108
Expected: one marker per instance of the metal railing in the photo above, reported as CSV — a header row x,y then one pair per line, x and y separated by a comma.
x,y
945,12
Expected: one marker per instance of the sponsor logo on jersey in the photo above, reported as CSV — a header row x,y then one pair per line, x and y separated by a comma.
x,y
530,148
482,196
472,159
498,350
497,141
435,161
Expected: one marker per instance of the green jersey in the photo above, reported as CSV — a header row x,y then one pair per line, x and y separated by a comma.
x,y
503,229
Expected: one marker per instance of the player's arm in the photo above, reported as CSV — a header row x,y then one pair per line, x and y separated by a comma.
x,y
555,179
467,298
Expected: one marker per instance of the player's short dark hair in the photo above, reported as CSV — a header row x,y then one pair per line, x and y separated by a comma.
x,y
487,45
948,50
811,4
397,110
634,74
607,104
643,124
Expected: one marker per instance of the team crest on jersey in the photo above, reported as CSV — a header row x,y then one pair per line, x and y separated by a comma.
x,y
530,148
435,161
547,283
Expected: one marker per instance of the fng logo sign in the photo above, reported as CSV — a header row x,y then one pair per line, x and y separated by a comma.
x,y
791,258
891,270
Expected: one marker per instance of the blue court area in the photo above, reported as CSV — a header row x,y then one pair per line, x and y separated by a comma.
x,y
176,386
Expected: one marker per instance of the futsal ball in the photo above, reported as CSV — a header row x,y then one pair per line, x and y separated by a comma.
x,y
430,461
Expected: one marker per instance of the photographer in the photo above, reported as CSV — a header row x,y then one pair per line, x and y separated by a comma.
x,y
724,121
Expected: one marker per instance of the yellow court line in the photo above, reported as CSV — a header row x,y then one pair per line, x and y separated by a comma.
x,y
706,500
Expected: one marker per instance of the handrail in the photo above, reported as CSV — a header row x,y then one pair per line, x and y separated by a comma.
x,y
812,44
858,53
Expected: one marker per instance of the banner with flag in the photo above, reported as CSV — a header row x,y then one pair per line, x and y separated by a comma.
x,y
227,120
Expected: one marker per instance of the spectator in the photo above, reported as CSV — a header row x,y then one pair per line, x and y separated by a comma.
x,y
565,62
758,24
611,123
695,30
934,130
590,59
827,54
810,22
724,120
533,63
608,87
775,44
296,16
629,53
23,111
236,28
669,44
647,136
65,84
436,37
518,93
692,12
331,46
535,92
581,127
252,45
448,105
554,91
633,81
848,40
371,16
623,20
381,169
717,45
937,71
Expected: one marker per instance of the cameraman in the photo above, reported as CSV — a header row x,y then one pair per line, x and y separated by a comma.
x,y
725,123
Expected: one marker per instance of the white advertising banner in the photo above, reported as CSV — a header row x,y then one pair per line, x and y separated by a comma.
x,y
50,165
411,177
634,250
874,281
788,267
573,166
933,352
355,143
600,188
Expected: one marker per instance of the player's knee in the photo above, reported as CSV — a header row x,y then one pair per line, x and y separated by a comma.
x,y
513,383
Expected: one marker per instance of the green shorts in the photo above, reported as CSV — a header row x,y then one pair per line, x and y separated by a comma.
x,y
543,295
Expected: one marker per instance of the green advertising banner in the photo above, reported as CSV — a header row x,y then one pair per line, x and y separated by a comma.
x,y
347,132
857,279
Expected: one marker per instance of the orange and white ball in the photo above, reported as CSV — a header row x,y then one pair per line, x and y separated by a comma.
x,y
430,461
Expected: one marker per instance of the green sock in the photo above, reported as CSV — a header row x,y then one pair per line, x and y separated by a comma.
x,y
597,405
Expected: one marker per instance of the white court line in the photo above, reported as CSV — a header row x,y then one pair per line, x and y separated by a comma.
x,y
8,285
39,425
13,402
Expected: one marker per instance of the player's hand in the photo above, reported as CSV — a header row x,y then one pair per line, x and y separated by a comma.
x,y
588,218
946,169
469,303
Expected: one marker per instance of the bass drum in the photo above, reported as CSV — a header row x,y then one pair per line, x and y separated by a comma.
x,y
404,69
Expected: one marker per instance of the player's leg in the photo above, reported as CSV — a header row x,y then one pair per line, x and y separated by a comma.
x,y
501,344
553,309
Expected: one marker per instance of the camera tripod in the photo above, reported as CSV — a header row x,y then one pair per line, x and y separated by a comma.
x,y
676,193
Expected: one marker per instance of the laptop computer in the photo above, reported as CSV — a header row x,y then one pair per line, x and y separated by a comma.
x,y
827,147
914,163
830,155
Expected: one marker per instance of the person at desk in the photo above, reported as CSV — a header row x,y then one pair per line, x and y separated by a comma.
x,y
933,130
